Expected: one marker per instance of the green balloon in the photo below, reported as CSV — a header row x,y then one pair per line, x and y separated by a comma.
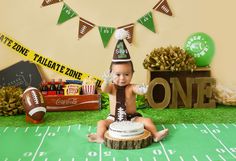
x,y
201,47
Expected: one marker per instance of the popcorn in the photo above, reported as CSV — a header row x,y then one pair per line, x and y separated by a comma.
x,y
89,86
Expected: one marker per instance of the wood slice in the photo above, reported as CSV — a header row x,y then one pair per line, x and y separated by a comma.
x,y
136,142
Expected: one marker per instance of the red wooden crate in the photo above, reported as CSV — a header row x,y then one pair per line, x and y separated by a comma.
x,y
73,103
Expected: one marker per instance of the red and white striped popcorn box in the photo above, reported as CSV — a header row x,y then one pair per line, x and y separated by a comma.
x,y
88,89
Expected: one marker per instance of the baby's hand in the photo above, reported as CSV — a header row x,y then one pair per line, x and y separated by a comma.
x,y
108,77
142,88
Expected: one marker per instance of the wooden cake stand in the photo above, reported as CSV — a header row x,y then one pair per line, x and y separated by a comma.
x,y
136,142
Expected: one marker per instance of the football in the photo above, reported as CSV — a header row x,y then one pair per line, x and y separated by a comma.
x,y
34,105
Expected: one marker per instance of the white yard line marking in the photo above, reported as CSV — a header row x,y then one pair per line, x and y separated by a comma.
x,y
16,129
58,129
225,126
220,142
89,129
100,152
113,159
208,158
163,126
154,159
59,159
195,126
6,159
19,159
222,157
184,125
127,158
174,126
140,158
46,159
181,158
73,159
37,129
86,159
26,129
215,125
194,157
163,148
234,125
69,129
5,129
79,127
37,150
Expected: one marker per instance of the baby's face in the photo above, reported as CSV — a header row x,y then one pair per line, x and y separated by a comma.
x,y
122,74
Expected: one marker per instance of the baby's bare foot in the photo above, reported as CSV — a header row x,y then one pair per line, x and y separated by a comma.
x,y
95,138
160,135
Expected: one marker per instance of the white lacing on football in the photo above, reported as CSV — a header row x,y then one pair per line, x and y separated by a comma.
x,y
35,98
125,129
121,114
37,109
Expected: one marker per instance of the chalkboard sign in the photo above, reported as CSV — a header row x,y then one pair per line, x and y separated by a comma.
x,y
21,74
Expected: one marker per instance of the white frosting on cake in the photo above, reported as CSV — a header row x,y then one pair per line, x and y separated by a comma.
x,y
125,129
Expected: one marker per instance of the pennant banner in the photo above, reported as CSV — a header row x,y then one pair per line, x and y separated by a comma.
x,y
147,21
130,29
163,7
44,61
84,27
49,2
106,33
66,14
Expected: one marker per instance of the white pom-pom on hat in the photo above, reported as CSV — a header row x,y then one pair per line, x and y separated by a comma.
x,y
121,34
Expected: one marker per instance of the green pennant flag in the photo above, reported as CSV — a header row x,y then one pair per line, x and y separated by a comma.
x,y
66,14
147,21
106,33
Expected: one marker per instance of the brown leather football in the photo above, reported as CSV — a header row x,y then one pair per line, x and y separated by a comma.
x,y
34,105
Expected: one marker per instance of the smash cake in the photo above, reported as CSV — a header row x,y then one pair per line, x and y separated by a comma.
x,y
125,129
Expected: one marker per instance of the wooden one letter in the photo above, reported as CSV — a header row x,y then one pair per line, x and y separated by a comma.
x,y
166,99
205,92
177,89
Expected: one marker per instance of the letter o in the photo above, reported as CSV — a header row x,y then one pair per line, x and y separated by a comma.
x,y
167,97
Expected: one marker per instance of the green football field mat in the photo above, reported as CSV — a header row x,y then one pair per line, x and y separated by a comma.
x,y
185,142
